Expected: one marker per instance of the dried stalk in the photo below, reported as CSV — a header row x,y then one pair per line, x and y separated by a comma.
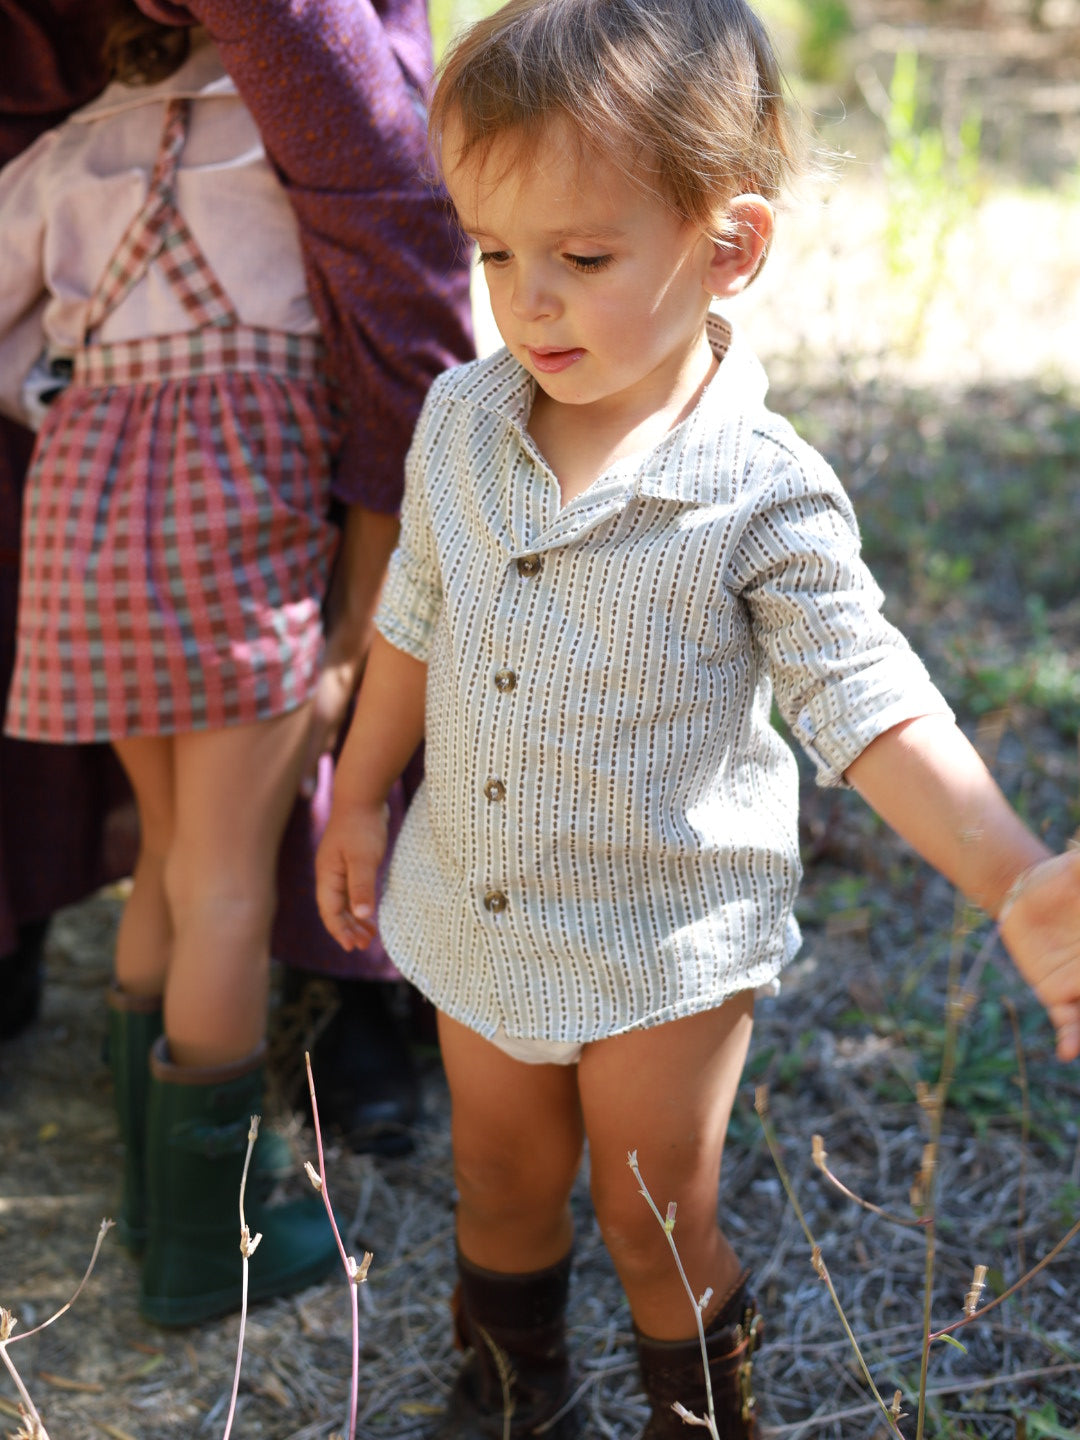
x,y
247,1249
35,1428
356,1274
667,1224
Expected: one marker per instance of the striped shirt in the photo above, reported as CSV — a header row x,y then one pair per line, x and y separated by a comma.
x,y
607,834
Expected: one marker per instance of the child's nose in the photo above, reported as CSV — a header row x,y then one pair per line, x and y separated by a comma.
x,y
532,297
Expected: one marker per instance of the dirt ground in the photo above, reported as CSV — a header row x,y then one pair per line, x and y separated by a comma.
x,y
859,1021
856,1025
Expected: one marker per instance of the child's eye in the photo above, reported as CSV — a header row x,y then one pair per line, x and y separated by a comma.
x,y
588,263
493,257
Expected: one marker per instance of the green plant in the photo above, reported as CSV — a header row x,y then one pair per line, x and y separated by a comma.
x,y
933,181
1045,679
1043,1422
985,1088
815,33
447,17
975,516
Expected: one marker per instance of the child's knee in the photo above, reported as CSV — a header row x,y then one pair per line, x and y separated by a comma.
x,y
632,1234
495,1180
629,1228
233,909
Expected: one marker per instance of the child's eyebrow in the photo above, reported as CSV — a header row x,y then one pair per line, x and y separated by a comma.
x,y
558,232
587,232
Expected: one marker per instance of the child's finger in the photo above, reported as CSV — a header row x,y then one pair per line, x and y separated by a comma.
x,y
332,896
1066,1022
362,899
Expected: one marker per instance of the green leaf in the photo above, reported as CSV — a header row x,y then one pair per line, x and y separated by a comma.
x,y
950,1341
1042,1423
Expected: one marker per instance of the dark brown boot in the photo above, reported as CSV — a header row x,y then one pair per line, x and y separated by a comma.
x,y
513,1328
672,1373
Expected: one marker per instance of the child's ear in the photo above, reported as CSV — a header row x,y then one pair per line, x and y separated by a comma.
x,y
740,255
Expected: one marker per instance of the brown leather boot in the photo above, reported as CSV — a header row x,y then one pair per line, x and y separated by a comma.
x,y
672,1372
513,1328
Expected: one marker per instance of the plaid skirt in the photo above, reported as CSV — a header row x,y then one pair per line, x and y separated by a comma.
x,y
176,546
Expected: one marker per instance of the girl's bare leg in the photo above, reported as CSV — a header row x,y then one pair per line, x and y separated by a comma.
x,y
234,789
667,1093
517,1140
144,939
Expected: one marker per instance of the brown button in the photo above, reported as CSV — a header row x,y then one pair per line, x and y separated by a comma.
x,y
495,901
495,789
505,680
529,565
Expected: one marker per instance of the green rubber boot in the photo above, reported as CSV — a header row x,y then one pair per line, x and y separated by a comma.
x,y
197,1126
134,1024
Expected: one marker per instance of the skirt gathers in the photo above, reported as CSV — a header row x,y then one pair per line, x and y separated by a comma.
x,y
176,546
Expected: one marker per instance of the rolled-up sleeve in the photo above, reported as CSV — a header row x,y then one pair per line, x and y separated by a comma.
x,y
842,674
412,595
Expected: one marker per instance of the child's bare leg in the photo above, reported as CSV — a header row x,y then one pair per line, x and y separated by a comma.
x,y
517,1138
144,938
667,1093
234,790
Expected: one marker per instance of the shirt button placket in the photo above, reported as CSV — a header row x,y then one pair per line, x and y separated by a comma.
x,y
506,679
494,790
495,901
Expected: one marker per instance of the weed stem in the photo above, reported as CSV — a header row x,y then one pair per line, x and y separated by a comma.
x,y
761,1105
356,1274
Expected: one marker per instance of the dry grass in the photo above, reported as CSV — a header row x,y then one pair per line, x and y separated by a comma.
x,y
833,1068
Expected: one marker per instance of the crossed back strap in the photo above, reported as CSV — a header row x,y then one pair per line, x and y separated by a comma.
x,y
159,233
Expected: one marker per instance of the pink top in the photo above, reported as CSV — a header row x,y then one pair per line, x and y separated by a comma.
x,y
387,270
67,200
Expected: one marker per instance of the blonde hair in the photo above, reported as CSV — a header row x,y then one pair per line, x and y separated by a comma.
x,y
142,51
685,96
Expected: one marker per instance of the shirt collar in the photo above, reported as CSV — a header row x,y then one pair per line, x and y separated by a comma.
x,y
202,75
696,462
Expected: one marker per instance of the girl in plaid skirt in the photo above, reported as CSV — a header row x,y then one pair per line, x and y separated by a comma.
x,y
176,554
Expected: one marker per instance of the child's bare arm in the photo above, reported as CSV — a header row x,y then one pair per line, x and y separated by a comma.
x,y
386,728
927,781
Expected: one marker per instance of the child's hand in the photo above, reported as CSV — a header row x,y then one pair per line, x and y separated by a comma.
x,y
346,864
1041,930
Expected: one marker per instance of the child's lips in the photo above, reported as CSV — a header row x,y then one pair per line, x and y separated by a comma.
x,y
550,361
